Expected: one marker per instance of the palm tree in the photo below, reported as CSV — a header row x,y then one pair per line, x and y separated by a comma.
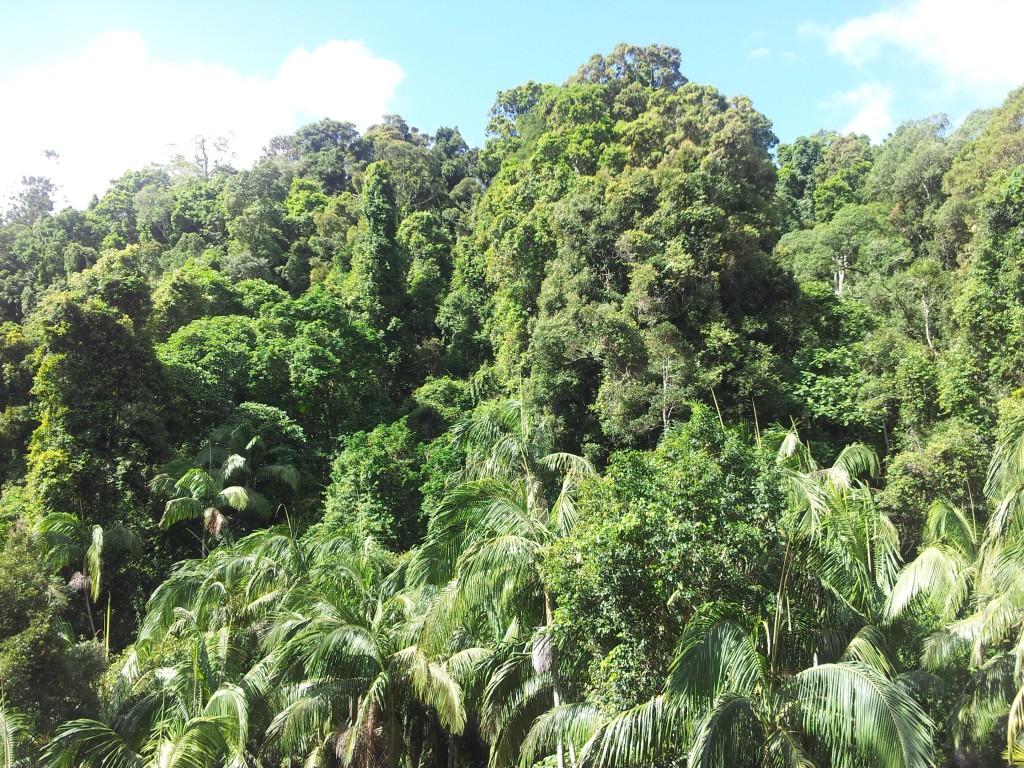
x,y
722,706
517,689
975,585
14,733
236,588
945,570
223,478
838,543
197,742
69,540
353,680
487,538
317,643
173,705
196,687
515,497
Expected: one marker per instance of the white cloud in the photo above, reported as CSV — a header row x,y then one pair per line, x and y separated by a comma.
x,y
973,45
872,102
759,53
113,106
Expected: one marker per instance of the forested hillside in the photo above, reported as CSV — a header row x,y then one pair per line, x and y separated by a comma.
x,y
631,438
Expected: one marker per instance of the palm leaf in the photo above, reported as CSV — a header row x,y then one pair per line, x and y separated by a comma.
x,y
434,687
708,663
234,496
229,706
854,461
573,724
196,483
871,648
231,466
123,539
88,744
1007,466
728,733
14,730
463,665
567,464
640,736
282,473
939,575
200,743
859,714
180,509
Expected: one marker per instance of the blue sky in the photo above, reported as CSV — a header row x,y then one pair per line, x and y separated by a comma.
x,y
114,85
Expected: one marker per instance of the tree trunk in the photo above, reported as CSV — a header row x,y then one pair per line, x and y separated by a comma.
x,y
556,685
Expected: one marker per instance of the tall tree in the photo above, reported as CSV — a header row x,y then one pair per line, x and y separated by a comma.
x,y
489,534
374,285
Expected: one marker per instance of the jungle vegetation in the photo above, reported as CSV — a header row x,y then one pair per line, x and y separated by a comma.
x,y
632,438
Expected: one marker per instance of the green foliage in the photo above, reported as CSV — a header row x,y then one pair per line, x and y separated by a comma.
x,y
16,417
373,286
378,338
661,534
230,474
327,151
991,150
209,364
190,293
329,369
100,424
116,210
375,483
44,675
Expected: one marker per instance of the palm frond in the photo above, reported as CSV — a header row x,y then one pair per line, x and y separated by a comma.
x,y
307,713
61,524
573,724
859,714
233,465
640,736
728,732
854,461
196,483
1007,466
871,648
369,711
229,706
463,665
1015,728
14,732
199,743
939,575
791,452
282,473
88,744
234,496
434,687
509,721
949,523
708,663
180,509
567,464
782,749
213,453
472,511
